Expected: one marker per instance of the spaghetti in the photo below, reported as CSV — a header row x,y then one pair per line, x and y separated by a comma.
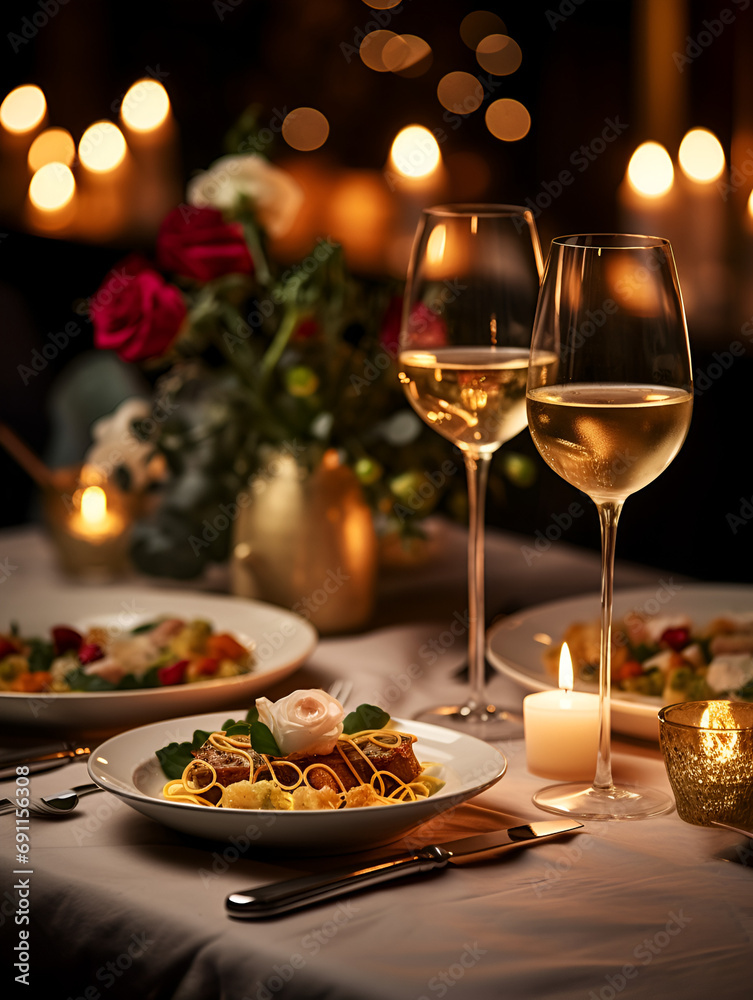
x,y
287,783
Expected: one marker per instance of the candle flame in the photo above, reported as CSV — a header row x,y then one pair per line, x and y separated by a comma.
x,y
94,506
566,669
719,715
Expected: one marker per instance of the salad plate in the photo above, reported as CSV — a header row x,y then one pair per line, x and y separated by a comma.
x,y
516,645
280,641
126,765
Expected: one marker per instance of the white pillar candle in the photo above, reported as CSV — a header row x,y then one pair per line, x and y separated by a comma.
x,y
562,734
562,729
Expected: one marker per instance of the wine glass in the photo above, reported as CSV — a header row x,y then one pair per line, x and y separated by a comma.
x,y
610,396
472,286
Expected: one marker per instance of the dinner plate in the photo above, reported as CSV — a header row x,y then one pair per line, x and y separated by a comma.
x,y
281,640
127,766
515,645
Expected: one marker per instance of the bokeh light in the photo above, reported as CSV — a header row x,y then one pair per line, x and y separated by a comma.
x,y
102,147
508,120
701,156
499,54
54,145
371,50
145,105
407,55
650,171
23,109
52,187
382,4
305,129
415,152
460,92
478,25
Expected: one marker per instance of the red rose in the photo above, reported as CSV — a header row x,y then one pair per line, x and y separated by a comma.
x,y
197,243
136,312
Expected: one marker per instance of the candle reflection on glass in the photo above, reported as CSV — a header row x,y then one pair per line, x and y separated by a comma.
x,y
562,729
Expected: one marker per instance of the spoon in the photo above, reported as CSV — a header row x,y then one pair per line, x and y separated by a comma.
x,y
59,804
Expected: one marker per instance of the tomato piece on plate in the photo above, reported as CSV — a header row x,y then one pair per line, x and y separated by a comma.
x,y
173,673
65,638
675,638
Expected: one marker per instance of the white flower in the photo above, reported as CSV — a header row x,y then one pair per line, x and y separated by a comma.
x,y
115,444
304,721
274,194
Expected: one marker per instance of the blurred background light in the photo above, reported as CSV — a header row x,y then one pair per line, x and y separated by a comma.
x,y
54,145
478,25
460,92
701,156
371,50
508,120
305,129
415,152
407,55
499,54
650,171
23,109
145,105
52,187
102,147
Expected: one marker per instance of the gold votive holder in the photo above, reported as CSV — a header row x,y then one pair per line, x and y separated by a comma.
x,y
708,752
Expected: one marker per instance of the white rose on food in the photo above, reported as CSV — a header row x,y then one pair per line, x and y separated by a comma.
x,y
304,721
274,194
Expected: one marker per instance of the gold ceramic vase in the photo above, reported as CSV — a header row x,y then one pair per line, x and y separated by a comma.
x,y
305,540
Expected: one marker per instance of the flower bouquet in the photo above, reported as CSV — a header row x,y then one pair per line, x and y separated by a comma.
x,y
248,357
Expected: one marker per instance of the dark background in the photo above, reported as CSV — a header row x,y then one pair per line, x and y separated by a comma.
x,y
582,64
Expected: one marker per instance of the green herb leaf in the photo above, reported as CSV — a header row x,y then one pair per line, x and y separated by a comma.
x,y
146,627
175,757
365,717
252,715
41,654
237,729
263,741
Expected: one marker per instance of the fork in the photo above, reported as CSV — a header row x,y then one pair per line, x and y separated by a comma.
x,y
341,689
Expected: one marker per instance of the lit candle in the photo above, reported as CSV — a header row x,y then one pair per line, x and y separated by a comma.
x,y
93,521
562,729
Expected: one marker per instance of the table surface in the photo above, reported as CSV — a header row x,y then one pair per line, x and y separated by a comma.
x,y
121,906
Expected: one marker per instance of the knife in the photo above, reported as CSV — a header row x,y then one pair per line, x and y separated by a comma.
x,y
281,897
41,758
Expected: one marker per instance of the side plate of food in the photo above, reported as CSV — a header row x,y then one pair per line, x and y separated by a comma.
x,y
214,652
673,642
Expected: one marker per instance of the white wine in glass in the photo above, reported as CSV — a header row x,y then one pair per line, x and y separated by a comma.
x,y
609,416
471,294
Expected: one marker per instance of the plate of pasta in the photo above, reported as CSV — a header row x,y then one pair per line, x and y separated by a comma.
x,y
298,803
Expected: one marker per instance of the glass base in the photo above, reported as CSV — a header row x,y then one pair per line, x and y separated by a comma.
x,y
588,802
488,723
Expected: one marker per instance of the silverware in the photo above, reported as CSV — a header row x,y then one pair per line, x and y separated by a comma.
x,y
59,804
734,829
55,754
281,897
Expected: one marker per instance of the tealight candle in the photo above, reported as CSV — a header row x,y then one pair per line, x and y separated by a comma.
x,y
92,530
562,729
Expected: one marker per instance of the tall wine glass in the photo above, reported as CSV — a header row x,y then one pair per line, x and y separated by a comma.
x,y
473,282
608,412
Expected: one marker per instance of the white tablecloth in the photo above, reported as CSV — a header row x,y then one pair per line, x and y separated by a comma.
x,y
122,907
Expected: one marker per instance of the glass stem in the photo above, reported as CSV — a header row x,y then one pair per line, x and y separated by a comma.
x,y
609,514
477,472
